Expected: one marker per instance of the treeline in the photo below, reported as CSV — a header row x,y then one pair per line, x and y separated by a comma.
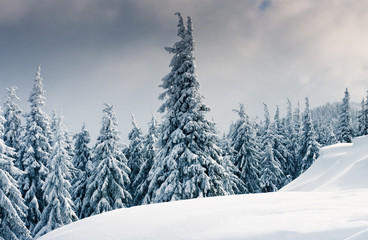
x,y
49,179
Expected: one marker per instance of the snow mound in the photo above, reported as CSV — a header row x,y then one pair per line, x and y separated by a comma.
x,y
329,201
340,167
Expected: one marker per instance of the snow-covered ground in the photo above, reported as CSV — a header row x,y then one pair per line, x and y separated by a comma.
x,y
328,201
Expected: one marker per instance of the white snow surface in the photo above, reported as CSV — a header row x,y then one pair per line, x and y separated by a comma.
x,y
328,201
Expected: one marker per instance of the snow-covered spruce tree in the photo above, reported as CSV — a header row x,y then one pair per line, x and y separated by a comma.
x,y
363,118
330,137
69,145
309,147
70,148
59,206
297,136
325,134
233,184
149,153
33,154
345,126
188,163
366,113
83,164
12,207
134,154
13,124
271,173
292,141
282,154
247,151
107,185
53,126
297,123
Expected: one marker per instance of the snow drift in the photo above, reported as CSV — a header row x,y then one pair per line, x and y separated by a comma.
x,y
328,201
341,166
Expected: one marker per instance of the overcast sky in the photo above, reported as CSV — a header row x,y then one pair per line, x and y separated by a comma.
x,y
112,51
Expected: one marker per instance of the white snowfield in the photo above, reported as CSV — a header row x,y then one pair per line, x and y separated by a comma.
x,y
328,201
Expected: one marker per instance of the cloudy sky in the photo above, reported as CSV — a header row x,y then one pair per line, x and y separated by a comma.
x,y
112,51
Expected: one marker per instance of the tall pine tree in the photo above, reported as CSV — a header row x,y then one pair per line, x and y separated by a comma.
x,y
149,153
292,141
363,118
309,147
134,154
282,154
188,163
233,184
83,163
59,206
13,124
272,176
345,127
12,207
107,185
34,152
247,151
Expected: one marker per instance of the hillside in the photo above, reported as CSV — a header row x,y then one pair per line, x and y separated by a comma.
x,y
328,201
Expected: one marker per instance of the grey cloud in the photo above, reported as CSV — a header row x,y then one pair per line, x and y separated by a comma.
x,y
96,51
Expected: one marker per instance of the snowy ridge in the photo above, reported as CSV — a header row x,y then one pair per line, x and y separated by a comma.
x,y
340,167
328,201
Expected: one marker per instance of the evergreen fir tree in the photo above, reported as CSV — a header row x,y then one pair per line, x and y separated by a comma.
x,y
247,151
319,127
289,121
366,112
149,153
297,140
59,206
54,124
83,163
233,184
326,135
12,207
135,156
281,152
13,124
34,152
309,147
330,137
363,119
297,123
188,163
107,185
345,128
292,142
271,173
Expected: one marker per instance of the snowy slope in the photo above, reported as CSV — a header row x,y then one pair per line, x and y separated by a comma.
x,y
339,167
329,201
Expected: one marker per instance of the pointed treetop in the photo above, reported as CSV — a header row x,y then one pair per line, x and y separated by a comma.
x,y
84,126
38,71
107,108
37,98
266,115
190,26
12,93
181,27
289,107
153,121
306,103
241,111
277,114
134,122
